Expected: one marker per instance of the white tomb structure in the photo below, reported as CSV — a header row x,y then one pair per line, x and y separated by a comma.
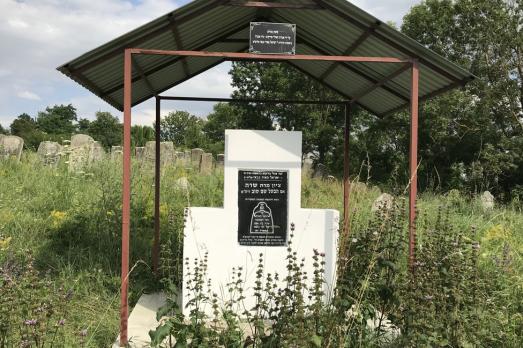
x,y
262,198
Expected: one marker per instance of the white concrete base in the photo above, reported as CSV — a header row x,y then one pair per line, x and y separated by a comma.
x,y
142,320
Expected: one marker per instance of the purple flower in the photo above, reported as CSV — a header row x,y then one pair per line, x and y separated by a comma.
x,y
31,322
61,322
83,333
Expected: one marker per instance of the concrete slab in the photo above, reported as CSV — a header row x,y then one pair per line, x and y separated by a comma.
x,y
143,319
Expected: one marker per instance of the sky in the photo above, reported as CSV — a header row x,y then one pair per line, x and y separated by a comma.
x,y
37,36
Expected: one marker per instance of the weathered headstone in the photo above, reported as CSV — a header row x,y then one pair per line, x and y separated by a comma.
x,y
196,156
320,172
180,158
487,200
79,140
49,153
139,151
220,160
384,203
182,184
308,166
79,152
262,203
11,146
166,152
96,152
116,153
206,163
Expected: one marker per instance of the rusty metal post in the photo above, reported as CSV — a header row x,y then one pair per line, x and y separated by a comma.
x,y
157,174
126,197
346,181
414,110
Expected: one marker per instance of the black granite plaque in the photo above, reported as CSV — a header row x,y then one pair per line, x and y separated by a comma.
x,y
262,207
272,38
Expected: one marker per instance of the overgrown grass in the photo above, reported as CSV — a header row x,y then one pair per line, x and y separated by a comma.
x,y
68,226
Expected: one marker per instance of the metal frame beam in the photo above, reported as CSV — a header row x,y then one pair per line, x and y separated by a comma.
x,y
275,5
175,60
126,179
352,48
179,43
143,76
381,82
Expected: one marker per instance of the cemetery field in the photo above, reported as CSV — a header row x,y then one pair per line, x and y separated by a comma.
x,y
60,255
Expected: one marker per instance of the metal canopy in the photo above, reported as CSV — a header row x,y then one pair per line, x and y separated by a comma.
x,y
333,27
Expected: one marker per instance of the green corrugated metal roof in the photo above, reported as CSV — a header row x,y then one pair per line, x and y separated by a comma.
x,y
213,25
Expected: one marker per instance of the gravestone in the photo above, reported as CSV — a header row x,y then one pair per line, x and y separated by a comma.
x,y
79,152
220,160
206,163
384,203
487,200
49,153
196,156
11,146
262,200
138,152
308,166
320,172
166,152
116,153
96,152
79,140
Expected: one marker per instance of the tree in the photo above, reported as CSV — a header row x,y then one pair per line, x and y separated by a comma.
x,y
322,126
25,127
140,135
83,126
183,129
57,120
224,116
3,130
481,145
106,129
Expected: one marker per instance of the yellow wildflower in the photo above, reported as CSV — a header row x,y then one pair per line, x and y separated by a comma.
x,y
497,232
4,243
57,218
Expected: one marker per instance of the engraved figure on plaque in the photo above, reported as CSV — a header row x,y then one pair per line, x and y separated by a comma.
x,y
261,220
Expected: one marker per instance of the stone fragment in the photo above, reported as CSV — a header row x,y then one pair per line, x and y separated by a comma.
x,y
49,153
11,146
166,152
116,153
220,160
320,171
79,152
487,201
79,140
384,203
139,151
206,163
307,167
182,184
96,152
196,155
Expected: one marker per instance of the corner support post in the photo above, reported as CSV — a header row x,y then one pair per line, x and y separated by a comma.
x,y
126,197
414,112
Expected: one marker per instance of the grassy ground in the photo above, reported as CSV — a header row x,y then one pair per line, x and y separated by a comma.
x,y
69,224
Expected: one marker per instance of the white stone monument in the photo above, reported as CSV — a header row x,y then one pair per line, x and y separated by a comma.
x,y
262,197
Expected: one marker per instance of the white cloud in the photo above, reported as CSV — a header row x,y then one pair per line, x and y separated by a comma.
x,y
39,35
28,95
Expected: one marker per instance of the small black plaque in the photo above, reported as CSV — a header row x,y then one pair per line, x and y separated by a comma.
x,y
262,207
273,38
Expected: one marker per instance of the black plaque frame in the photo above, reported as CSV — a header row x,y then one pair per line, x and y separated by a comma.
x,y
272,48
263,207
